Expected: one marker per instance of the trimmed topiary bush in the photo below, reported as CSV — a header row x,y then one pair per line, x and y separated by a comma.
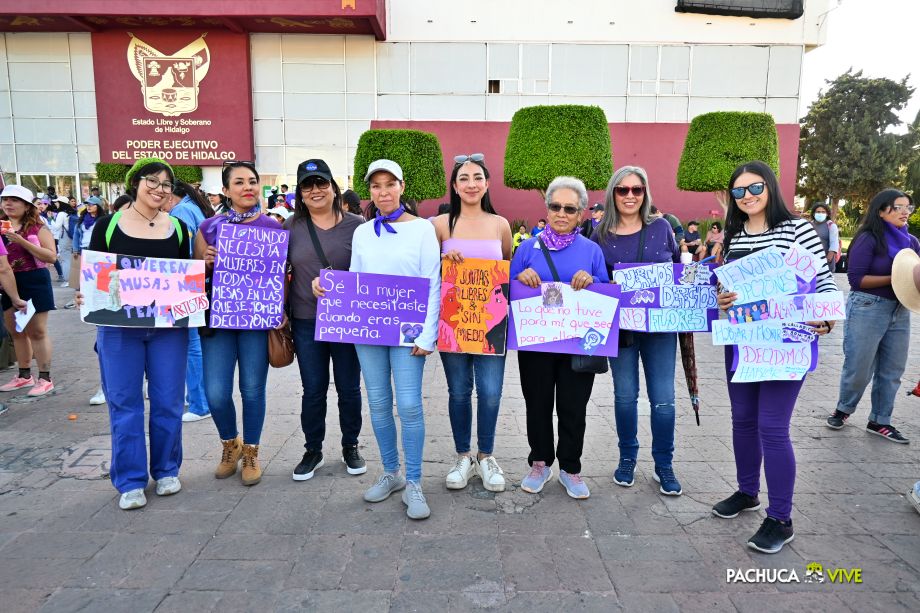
x,y
188,174
417,153
717,143
111,173
913,223
545,142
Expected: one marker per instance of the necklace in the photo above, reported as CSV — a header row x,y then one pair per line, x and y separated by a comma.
x,y
149,219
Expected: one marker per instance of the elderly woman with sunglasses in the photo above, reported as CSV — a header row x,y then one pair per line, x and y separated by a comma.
x,y
548,377
629,234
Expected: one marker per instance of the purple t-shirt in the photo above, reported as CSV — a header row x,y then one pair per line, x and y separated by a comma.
x,y
863,258
660,245
209,227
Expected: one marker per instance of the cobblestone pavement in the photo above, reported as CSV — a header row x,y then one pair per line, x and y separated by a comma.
x,y
315,545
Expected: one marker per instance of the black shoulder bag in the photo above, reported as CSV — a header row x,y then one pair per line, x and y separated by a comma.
x,y
593,364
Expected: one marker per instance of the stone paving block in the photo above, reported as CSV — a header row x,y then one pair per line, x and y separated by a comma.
x,y
184,601
321,562
419,602
882,602
470,547
76,545
578,564
551,602
843,546
291,601
703,603
37,572
230,546
656,577
23,600
261,575
447,574
373,563
646,548
388,517
791,603
527,563
66,600
643,601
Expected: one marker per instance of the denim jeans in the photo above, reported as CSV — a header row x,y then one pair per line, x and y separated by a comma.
x,y
194,378
221,353
313,360
378,363
658,351
125,354
876,337
488,371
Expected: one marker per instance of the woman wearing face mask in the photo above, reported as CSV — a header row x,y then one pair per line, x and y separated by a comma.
x,y
827,231
876,333
472,229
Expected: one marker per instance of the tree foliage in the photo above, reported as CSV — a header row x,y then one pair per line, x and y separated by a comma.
x,y
847,149
912,177
188,174
417,153
111,173
545,142
717,143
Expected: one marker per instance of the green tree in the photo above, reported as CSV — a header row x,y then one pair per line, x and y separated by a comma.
x,y
912,177
417,153
545,142
717,143
847,149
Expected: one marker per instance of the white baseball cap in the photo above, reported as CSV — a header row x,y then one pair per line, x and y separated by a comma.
x,y
388,165
18,191
279,210
213,189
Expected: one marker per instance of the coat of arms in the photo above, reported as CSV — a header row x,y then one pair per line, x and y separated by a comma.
x,y
169,82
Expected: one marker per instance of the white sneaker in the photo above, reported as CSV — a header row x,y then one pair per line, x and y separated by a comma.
x,y
167,486
188,416
493,478
64,284
134,499
460,474
98,398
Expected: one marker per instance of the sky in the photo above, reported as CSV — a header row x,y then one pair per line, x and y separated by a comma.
x,y
880,37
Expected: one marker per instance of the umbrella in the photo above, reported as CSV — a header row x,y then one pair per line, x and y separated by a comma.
x,y
688,357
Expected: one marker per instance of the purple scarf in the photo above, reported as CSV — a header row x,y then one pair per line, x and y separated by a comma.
x,y
234,217
384,220
896,238
558,242
88,221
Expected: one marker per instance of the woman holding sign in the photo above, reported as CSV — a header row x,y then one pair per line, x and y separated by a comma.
x,y
224,349
547,379
395,242
757,218
628,234
472,229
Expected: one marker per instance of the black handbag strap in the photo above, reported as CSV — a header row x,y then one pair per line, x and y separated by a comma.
x,y
549,260
639,253
316,244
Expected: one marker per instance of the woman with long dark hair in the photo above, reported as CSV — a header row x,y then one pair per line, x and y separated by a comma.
x,y
472,229
321,231
876,334
758,218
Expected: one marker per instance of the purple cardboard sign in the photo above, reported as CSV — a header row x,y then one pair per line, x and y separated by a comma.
x,y
558,316
666,297
370,309
247,291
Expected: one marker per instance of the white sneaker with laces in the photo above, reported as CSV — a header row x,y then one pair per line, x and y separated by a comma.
x,y
188,416
493,477
133,499
459,475
167,486
98,398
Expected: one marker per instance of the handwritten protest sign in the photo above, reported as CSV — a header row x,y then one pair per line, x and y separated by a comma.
x,y
557,319
247,290
782,362
474,306
132,291
761,333
371,309
666,297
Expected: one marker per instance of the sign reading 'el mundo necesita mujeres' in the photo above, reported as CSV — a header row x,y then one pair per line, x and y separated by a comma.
x,y
183,96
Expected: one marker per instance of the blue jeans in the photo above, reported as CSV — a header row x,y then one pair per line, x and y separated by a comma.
x,y
313,360
876,337
658,351
194,378
488,371
125,354
378,363
221,353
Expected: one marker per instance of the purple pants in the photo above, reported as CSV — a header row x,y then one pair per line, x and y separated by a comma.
x,y
760,432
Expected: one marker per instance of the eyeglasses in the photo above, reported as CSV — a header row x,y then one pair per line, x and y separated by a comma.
x,y
235,163
555,207
755,188
154,184
623,190
473,157
904,207
314,182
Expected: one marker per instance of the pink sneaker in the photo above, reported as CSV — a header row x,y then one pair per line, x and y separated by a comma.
x,y
41,388
17,383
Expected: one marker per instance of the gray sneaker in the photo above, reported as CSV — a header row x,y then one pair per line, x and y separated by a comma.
x,y
413,498
386,485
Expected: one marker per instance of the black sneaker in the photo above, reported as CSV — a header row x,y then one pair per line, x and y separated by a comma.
x,y
837,420
735,504
889,432
353,460
771,537
308,465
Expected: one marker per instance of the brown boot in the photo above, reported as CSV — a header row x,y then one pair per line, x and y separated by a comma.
x,y
230,457
252,473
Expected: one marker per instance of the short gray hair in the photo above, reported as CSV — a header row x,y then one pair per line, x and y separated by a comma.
x,y
576,185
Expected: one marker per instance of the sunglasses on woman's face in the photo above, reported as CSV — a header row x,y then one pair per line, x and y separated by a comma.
x,y
623,190
310,182
897,208
555,207
755,188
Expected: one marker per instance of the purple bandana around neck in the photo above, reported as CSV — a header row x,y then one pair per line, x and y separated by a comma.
x,y
558,242
896,238
234,217
384,220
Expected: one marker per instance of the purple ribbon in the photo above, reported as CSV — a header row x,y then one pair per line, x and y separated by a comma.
x,y
384,220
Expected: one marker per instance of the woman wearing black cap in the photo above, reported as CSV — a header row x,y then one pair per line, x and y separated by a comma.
x,y
597,214
321,232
